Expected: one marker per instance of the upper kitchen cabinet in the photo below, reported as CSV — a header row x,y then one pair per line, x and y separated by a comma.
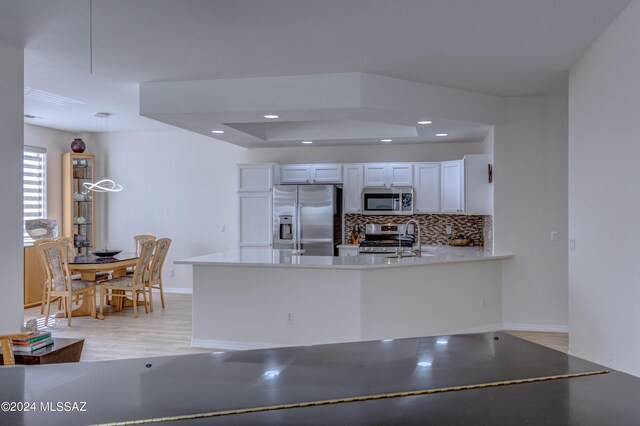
x,y
388,175
478,189
310,173
78,212
452,186
427,187
465,186
326,173
353,183
255,177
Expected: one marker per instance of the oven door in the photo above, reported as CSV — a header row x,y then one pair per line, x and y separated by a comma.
x,y
395,201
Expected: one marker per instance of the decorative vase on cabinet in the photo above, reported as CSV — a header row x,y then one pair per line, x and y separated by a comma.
x,y
78,209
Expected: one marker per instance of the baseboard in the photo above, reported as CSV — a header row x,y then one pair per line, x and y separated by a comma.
x,y
178,290
240,346
234,345
481,329
550,328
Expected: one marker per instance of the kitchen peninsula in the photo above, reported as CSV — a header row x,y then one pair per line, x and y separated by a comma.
x,y
258,297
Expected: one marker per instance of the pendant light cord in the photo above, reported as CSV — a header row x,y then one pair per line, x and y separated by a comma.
x,y
91,37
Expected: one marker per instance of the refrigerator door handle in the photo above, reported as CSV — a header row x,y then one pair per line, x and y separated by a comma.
x,y
297,247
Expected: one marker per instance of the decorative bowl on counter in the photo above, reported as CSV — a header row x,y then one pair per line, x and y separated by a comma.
x,y
106,253
460,242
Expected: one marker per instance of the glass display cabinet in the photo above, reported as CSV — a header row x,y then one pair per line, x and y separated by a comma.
x,y
78,208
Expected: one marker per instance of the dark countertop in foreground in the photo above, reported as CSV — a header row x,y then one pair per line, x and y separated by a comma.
x,y
499,379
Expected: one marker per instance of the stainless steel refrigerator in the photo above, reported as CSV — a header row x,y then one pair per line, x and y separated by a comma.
x,y
306,219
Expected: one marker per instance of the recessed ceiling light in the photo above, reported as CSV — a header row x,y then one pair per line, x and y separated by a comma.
x,y
271,116
307,142
386,140
441,135
217,131
425,122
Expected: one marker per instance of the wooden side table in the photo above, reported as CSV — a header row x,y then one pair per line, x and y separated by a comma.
x,y
62,350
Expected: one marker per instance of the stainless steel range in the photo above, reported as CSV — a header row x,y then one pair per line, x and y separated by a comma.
x,y
387,239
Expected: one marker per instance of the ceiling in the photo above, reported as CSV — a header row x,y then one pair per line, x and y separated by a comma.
x,y
497,47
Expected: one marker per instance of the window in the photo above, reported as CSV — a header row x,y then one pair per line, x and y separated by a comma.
x,y
34,186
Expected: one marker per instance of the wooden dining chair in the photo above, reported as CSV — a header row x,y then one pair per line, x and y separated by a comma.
x,y
71,251
137,241
134,284
45,287
55,258
153,278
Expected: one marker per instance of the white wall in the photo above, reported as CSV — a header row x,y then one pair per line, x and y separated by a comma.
x,y
179,185
368,154
530,196
604,197
11,133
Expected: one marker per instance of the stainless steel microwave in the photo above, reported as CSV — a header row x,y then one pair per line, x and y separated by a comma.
x,y
388,201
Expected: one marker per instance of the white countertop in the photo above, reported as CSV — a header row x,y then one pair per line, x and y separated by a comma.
x,y
268,257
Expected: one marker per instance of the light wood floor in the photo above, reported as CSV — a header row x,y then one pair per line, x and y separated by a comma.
x,y
557,341
168,331
119,335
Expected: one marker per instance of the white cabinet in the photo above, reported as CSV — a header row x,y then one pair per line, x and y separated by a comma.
x,y
375,175
452,186
310,173
477,188
427,187
388,175
254,209
255,177
400,174
347,251
326,173
352,188
255,183
295,173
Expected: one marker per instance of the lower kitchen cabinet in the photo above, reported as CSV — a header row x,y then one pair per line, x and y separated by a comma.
x,y
254,209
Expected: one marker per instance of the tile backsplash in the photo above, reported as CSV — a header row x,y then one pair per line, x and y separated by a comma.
x,y
433,226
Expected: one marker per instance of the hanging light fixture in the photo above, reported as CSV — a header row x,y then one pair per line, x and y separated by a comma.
x,y
91,37
104,185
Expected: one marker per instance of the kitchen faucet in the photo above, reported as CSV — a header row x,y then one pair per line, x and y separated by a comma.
x,y
418,251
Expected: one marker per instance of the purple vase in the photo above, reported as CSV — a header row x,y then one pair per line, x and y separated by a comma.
x,y
78,146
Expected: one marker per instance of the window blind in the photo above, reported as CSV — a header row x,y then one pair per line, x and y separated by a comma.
x,y
34,186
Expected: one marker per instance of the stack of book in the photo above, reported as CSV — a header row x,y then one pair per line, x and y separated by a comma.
x,y
32,342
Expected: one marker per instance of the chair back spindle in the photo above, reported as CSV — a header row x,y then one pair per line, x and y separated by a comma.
x,y
139,239
159,256
146,252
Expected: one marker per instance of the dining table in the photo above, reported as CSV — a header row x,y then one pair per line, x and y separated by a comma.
x,y
89,265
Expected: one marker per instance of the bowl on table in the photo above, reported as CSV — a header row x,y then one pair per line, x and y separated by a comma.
x,y
106,253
